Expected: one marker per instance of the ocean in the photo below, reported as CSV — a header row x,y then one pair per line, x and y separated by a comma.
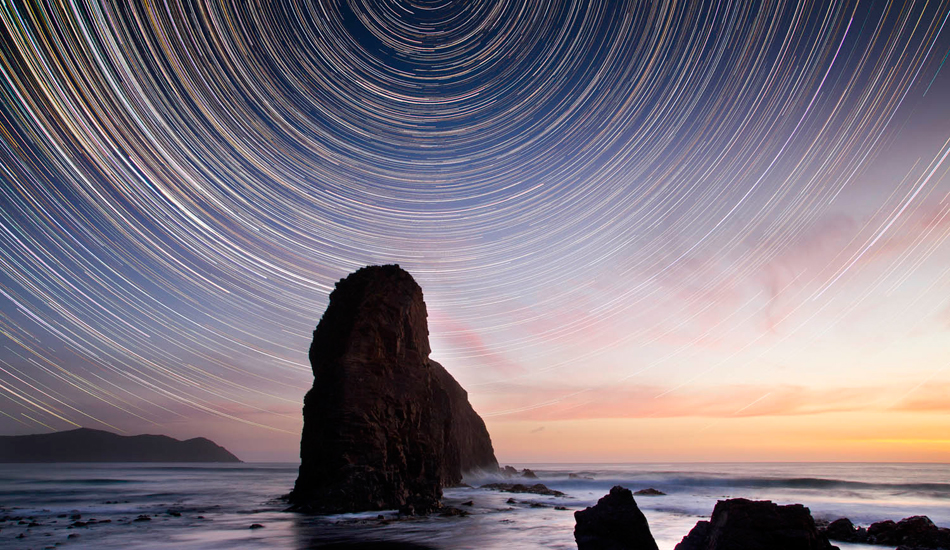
x,y
203,506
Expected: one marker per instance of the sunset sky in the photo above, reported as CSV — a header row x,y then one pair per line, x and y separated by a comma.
x,y
645,231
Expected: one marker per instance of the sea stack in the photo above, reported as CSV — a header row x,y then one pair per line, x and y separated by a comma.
x,y
385,427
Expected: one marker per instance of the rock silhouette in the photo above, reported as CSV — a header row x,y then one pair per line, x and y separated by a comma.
x,y
385,427
88,445
756,525
614,523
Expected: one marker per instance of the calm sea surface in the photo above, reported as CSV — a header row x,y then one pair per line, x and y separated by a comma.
x,y
213,507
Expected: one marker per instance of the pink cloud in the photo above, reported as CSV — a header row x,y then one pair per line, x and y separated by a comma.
x,y
735,401
931,397
466,341
812,256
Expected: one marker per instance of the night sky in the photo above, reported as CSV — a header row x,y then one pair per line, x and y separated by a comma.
x,y
644,230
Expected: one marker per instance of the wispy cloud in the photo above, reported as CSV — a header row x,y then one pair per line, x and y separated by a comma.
x,y
734,401
467,342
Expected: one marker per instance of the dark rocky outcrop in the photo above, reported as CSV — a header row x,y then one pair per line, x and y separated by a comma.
x,y
614,523
88,445
843,530
384,426
756,525
882,530
913,533
916,532
651,492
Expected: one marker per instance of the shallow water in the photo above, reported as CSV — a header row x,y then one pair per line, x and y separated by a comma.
x,y
213,506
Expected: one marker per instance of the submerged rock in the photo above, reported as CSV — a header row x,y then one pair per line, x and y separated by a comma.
x,y
756,525
536,489
614,523
385,427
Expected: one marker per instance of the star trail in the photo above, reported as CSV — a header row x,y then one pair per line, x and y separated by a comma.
x,y
721,211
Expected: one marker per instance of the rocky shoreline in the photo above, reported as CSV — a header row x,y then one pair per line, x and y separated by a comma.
x,y
470,517
615,522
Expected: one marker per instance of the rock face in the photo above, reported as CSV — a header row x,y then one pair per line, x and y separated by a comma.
x,y
384,426
756,525
467,441
88,445
614,523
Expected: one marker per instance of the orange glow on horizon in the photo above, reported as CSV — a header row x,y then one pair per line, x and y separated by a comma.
x,y
831,437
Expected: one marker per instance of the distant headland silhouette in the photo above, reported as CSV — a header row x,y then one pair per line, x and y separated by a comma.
x,y
88,445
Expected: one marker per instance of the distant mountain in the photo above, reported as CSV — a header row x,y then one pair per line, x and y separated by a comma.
x,y
87,445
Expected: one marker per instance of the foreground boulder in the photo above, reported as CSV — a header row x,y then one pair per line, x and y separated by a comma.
x,y
384,426
913,533
740,524
614,523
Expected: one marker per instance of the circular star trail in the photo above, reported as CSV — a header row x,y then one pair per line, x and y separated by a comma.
x,y
594,186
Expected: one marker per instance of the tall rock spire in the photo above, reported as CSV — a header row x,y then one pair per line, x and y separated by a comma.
x,y
384,426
